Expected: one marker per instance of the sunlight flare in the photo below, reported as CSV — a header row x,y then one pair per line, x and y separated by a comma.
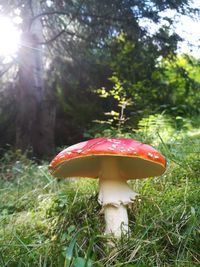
x,y
10,37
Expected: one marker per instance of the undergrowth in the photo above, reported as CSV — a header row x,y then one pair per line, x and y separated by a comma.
x,y
47,222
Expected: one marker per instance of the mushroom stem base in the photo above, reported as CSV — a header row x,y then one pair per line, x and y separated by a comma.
x,y
116,219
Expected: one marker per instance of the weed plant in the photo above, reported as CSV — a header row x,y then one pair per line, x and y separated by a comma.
x,y
46,222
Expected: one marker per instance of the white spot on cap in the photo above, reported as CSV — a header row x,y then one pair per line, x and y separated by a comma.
x,y
150,155
114,146
79,151
116,141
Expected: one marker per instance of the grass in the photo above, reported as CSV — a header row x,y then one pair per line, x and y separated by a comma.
x,y
45,222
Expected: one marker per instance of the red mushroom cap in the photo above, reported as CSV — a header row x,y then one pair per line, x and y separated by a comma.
x,y
135,159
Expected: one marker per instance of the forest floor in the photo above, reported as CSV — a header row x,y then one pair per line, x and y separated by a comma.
x,y
47,222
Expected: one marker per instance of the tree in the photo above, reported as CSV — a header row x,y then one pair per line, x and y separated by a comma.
x,y
30,130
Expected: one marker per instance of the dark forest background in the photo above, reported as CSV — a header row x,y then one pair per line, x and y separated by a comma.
x,y
89,68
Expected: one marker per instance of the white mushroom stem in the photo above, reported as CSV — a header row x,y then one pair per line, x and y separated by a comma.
x,y
116,219
114,196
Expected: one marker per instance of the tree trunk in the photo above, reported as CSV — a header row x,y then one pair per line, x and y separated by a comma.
x,y
36,107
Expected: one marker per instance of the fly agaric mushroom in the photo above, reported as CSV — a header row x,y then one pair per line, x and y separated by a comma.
x,y
113,161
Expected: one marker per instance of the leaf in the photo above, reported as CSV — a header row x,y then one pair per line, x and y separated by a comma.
x,y
81,262
68,254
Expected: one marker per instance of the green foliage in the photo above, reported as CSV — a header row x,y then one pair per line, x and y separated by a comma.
x,y
143,83
181,81
45,222
118,94
156,82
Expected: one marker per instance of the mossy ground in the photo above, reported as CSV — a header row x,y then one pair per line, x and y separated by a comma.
x,y
45,222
